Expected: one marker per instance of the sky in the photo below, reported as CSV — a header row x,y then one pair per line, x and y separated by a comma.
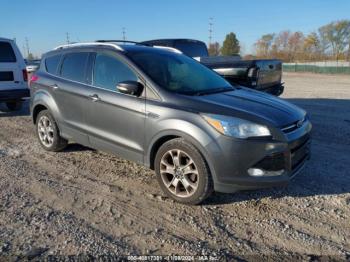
x,y
46,22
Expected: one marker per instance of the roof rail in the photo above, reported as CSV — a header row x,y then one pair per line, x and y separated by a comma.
x,y
172,49
118,41
89,44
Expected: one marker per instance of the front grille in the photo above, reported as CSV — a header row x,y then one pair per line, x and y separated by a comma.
x,y
273,162
293,126
290,128
300,152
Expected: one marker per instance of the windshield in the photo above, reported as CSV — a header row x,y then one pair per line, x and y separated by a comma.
x,y
179,73
191,48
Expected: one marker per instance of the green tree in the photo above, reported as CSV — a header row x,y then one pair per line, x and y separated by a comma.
x,y
230,45
337,36
214,49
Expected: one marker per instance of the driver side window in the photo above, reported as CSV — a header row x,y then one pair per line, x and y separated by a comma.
x,y
109,71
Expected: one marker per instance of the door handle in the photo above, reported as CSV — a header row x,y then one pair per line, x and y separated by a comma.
x,y
54,86
151,115
95,98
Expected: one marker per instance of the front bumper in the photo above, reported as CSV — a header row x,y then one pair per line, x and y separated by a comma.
x,y
231,169
14,94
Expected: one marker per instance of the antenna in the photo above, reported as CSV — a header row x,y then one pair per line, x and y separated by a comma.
x,y
210,30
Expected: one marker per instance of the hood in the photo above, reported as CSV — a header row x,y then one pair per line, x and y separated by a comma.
x,y
255,104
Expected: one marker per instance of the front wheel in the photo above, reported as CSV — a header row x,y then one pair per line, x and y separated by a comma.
x,y
182,172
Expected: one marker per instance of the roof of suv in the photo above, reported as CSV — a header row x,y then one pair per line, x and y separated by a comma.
x,y
117,47
5,39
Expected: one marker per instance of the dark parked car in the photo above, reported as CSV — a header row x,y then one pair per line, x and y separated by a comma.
x,y
170,113
260,74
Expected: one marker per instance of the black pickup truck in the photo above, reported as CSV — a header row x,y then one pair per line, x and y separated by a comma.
x,y
260,74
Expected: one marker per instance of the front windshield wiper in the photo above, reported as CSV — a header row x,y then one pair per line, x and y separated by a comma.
x,y
212,91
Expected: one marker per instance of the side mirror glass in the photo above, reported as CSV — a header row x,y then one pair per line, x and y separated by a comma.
x,y
130,88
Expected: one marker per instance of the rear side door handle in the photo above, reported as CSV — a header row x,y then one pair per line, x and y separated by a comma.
x,y
95,98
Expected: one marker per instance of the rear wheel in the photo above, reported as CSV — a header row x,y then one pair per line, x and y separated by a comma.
x,y
48,132
182,172
14,105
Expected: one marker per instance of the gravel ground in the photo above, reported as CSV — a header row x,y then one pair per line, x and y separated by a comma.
x,y
85,202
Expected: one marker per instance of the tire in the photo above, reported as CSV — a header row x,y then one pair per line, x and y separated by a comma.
x,y
47,126
182,172
14,105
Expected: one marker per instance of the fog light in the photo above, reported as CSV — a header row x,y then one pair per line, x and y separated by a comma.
x,y
256,172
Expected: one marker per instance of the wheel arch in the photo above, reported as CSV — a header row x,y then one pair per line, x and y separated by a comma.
x,y
36,110
42,100
168,135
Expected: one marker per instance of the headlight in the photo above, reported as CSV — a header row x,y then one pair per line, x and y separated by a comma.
x,y
235,127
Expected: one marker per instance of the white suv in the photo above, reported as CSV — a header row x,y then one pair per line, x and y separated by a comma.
x,y
13,75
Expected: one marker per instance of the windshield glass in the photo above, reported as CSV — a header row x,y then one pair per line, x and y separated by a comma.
x,y
179,73
191,48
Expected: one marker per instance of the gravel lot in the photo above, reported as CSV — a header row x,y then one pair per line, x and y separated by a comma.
x,y
86,202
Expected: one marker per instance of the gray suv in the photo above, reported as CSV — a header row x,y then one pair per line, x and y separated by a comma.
x,y
165,110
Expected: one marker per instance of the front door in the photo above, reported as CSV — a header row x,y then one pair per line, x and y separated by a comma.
x,y
115,121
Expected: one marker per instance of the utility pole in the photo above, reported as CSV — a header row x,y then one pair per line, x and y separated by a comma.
x,y
124,33
27,45
349,53
24,49
67,38
210,30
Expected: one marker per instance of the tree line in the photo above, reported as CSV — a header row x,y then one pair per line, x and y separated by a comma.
x,y
229,47
329,42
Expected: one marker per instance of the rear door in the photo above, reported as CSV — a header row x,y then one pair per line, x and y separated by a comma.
x,y
11,67
115,121
71,94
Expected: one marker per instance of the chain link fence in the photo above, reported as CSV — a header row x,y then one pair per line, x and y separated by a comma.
x,y
321,67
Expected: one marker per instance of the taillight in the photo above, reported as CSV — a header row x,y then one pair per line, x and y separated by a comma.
x,y
33,78
25,75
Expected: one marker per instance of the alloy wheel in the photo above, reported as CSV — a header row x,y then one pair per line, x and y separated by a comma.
x,y
179,173
46,131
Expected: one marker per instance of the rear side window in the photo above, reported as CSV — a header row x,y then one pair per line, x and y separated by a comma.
x,y
73,66
51,64
109,71
7,55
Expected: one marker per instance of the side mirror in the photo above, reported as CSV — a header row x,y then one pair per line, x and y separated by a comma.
x,y
130,88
